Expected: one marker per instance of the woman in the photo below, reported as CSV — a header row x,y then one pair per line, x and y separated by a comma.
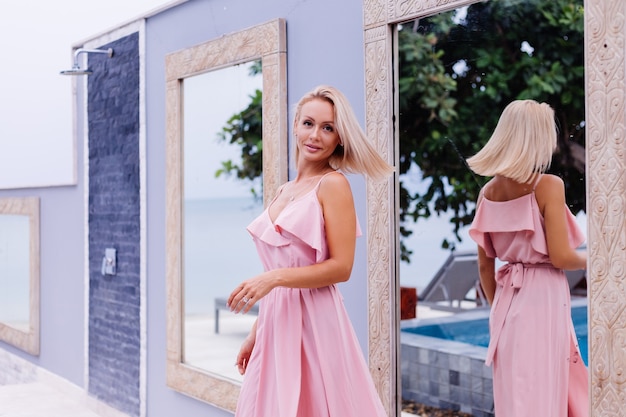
x,y
523,220
302,357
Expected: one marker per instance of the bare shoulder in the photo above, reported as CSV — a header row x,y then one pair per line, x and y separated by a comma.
x,y
334,182
550,190
485,190
334,185
550,183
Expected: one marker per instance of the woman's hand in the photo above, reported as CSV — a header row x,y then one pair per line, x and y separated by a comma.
x,y
250,292
244,353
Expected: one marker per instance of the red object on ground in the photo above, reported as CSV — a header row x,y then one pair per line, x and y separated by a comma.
x,y
408,303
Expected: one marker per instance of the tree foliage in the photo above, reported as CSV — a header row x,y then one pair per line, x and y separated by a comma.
x,y
457,73
245,129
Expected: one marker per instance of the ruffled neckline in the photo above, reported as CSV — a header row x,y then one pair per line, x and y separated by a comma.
x,y
522,216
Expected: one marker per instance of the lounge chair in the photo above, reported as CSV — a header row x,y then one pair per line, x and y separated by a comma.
x,y
453,282
220,304
578,279
458,275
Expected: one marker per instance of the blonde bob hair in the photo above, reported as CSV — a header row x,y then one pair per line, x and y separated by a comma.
x,y
354,153
521,145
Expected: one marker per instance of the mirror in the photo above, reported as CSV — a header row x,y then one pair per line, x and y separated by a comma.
x,y
19,273
452,67
218,251
604,57
192,160
457,70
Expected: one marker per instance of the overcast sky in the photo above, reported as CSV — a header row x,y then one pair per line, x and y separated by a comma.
x,y
204,152
36,38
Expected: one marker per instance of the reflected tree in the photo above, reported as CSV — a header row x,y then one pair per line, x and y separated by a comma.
x,y
245,129
458,70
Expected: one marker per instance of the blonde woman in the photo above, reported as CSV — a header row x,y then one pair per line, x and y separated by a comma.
x,y
302,357
523,220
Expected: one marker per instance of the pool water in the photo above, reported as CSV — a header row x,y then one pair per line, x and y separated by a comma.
x,y
476,331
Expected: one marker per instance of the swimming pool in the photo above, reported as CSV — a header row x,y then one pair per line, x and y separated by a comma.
x,y
475,331
443,359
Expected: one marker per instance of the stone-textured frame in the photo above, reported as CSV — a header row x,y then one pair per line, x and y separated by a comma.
x,y
605,69
28,341
266,42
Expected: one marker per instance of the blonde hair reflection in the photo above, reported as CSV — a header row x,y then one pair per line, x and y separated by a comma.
x,y
521,145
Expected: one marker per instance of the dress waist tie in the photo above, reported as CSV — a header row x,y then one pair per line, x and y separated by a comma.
x,y
510,277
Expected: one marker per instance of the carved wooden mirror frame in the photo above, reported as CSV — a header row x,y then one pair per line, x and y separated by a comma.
x,y
265,42
605,92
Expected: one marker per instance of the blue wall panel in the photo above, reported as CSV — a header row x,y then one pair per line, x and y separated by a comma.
x,y
114,209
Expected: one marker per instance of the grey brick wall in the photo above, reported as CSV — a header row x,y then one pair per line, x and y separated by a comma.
x,y
114,207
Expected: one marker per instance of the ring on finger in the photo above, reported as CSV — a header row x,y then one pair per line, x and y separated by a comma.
x,y
245,300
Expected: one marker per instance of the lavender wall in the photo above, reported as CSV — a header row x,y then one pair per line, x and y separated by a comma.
x,y
325,45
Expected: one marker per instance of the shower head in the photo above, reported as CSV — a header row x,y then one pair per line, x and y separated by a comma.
x,y
76,69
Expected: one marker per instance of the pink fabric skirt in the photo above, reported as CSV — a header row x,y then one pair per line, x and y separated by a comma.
x,y
307,361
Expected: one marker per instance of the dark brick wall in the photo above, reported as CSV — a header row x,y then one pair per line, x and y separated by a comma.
x,y
114,207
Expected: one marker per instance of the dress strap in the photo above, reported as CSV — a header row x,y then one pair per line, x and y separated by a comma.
x,y
324,176
278,192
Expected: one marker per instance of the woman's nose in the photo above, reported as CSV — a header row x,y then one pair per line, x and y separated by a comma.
x,y
316,132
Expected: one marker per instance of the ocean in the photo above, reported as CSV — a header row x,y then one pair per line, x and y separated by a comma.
x,y
219,252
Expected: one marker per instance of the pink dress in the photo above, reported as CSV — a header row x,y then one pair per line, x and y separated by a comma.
x,y
537,369
306,361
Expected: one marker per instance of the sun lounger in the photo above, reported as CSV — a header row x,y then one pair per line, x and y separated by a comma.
x,y
453,282
458,275
220,304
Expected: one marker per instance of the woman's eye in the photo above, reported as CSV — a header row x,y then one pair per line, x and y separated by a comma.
x,y
329,128
306,123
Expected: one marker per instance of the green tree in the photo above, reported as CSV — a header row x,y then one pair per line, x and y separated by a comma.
x,y
458,72
245,129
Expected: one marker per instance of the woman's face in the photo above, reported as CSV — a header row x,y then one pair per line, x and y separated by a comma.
x,y
315,131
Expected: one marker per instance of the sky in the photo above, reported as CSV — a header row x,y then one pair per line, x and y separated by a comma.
x,y
204,152
36,38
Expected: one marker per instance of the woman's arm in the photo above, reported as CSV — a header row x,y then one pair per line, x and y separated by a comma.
x,y
487,274
335,197
486,265
550,193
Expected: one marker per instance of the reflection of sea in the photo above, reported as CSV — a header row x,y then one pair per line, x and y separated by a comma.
x,y
14,269
219,252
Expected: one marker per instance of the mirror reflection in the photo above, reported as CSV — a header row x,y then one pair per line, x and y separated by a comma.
x,y
192,359
19,273
14,271
457,72
219,201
